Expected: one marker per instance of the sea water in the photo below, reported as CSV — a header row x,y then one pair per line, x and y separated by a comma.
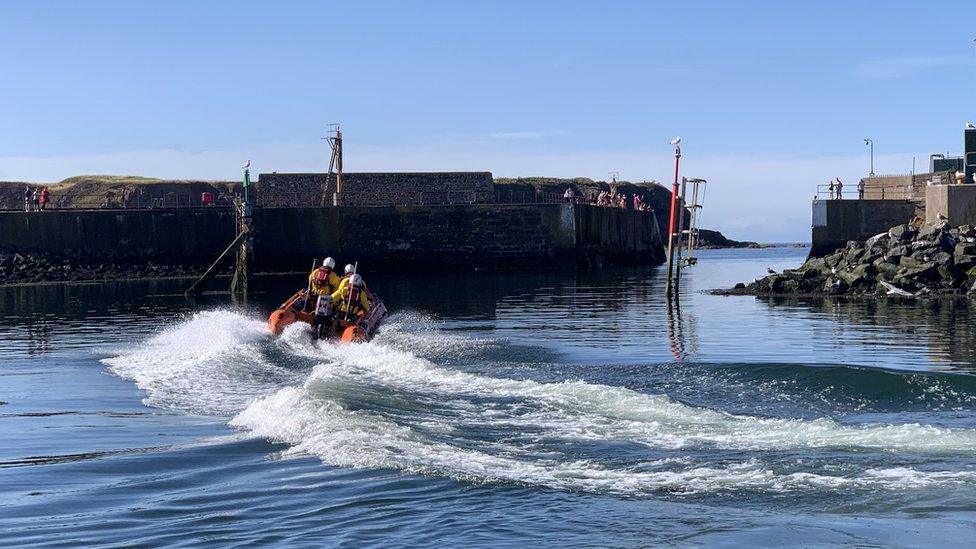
x,y
559,408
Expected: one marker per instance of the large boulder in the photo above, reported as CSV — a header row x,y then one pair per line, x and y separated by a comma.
x,y
903,233
897,251
858,275
887,270
964,248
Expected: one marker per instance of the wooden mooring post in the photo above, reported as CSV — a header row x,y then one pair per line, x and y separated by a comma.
x,y
243,244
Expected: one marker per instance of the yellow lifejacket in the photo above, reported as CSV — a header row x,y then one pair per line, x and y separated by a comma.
x,y
340,300
323,281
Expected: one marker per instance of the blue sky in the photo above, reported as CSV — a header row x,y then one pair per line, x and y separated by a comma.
x,y
771,98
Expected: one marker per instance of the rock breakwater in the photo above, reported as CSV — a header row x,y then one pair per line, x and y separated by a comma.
x,y
911,260
18,267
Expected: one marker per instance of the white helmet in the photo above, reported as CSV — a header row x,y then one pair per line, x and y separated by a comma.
x,y
350,268
328,262
356,280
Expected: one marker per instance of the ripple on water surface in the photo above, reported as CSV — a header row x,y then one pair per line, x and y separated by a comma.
x,y
577,394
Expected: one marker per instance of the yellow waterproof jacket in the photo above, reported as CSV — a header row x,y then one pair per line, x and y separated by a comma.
x,y
344,281
331,284
341,297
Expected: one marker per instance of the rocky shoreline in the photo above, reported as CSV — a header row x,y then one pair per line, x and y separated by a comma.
x,y
909,261
714,240
19,268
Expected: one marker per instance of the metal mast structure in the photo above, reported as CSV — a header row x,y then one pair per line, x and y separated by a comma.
x,y
335,165
677,233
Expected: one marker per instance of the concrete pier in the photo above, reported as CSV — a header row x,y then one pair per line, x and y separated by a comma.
x,y
835,222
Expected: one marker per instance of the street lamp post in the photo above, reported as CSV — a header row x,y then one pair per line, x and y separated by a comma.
x,y
870,143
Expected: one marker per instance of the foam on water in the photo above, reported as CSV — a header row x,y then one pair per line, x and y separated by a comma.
x,y
575,409
211,363
216,362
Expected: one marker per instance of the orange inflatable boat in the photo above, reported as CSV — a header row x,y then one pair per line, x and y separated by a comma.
x,y
323,323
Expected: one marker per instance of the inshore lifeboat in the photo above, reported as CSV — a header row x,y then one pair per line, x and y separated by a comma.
x,y
320,318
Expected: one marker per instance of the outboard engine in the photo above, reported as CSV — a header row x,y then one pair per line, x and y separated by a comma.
x,y
323,315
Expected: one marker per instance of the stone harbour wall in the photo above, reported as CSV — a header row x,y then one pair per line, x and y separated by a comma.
x,y
394,237
291,190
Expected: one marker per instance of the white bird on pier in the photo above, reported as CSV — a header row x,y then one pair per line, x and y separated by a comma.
x,y
941,216
247,165
970,126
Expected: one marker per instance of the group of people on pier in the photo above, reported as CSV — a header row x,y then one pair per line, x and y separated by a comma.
x,y
836,189
36,200
607,199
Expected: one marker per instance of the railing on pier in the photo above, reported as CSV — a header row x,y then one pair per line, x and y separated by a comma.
x,y
505,195
508,195
872,192
119,201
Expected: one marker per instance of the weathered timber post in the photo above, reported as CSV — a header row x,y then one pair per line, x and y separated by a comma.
x,y
239,286
243,243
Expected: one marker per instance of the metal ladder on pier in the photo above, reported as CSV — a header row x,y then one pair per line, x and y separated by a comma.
x,y
685,239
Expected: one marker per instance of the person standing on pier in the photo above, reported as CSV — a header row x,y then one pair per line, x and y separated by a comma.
x,y
830,189
839,186
860,190
45,198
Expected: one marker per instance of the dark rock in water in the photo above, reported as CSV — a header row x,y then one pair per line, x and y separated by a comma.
x,y
854,254
859,275
936,260
947,275
910,262
834,286
964,248
941,258
887,270
901,232
928,230
964,262
897,251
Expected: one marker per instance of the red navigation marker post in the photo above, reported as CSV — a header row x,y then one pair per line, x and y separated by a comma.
x,y
673,217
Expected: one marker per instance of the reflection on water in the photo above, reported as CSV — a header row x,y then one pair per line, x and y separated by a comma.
x,y
941,328
595,316
577,407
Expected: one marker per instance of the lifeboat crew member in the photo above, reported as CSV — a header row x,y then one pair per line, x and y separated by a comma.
x,y
322,281
350,270
350,299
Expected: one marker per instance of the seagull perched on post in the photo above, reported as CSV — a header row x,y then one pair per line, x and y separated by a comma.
x,y
941,216
247,165
970,126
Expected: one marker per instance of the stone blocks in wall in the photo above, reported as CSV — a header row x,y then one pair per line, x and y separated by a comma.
x,y
375,189
495,236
